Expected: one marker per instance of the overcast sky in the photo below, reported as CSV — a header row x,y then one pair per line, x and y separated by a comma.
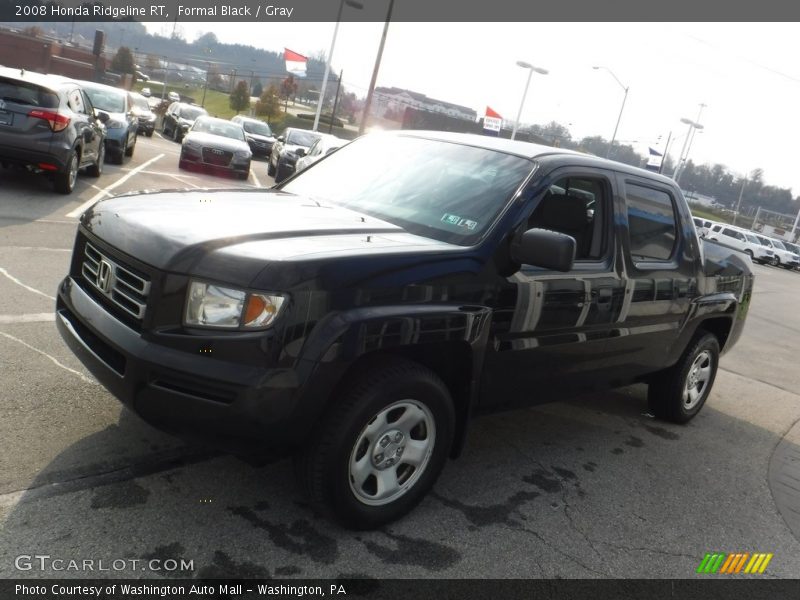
x,y
747,74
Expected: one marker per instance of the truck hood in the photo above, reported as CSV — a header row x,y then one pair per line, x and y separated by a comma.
x,y
242,236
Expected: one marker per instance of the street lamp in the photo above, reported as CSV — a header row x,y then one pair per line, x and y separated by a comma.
x,y
371,91
531,69
687,144
352,4
624,98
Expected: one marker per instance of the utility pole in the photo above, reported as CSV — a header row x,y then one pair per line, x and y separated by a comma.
x,y
336,101
371,91
739,203
666,153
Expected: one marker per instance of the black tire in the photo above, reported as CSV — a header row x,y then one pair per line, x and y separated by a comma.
x,y
64,181
178,136
280,173
775,262
129,150
323,468
97,168
149,133
270,168
666,392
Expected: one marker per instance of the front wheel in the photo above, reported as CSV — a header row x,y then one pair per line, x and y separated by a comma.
x,y
677,394
97,168
129,150
775,262
270,168
381,447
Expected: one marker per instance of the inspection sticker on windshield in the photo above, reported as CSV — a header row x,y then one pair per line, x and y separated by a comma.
x,y
458,221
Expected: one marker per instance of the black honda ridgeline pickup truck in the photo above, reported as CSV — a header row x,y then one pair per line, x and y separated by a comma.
x,y
359,313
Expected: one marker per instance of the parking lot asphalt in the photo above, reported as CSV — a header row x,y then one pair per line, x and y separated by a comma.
x,y
593,487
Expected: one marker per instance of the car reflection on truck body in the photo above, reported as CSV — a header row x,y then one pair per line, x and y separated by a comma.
x,y
360,313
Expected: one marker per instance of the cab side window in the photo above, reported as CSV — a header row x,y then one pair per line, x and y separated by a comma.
x,y
652,224
578,207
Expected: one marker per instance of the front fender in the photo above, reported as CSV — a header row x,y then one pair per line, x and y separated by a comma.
x,y
341,339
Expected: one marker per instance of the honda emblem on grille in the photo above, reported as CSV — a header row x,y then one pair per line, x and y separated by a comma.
x,y
104,272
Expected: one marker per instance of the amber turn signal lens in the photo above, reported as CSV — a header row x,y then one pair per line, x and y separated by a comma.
x,y
256,305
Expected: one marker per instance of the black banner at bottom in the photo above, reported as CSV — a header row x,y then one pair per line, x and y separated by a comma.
x,y
405,589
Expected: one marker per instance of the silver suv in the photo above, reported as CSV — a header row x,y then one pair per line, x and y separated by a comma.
x,y
49,126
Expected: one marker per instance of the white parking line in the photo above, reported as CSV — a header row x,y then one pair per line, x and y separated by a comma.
x,y
181,179
28,318
52,358
105,191
101,190
27,287
255,179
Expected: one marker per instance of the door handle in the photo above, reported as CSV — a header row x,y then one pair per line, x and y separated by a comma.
x,y
603,295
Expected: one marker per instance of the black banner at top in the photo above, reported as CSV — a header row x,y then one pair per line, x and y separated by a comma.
x,y
286,11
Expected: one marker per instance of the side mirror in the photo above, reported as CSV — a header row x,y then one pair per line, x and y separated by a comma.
x,y
101,116
544,248
300,152
281,138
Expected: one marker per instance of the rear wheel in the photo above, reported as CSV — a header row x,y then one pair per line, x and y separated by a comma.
x,y
149,133
776,262
97,168
677,394
65,180
270,168
280,173
380,448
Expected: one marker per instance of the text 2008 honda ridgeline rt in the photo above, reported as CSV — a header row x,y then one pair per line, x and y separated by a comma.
x,y
361,312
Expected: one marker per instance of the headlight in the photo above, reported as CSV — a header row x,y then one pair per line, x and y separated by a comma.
x,y
114,124
151,118
210,305
244,154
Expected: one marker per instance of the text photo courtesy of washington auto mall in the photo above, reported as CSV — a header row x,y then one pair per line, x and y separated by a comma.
x,y
378,298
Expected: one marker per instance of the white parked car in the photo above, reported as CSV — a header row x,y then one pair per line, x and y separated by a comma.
x,y
740,239
702,226
174,97
784,257
322,147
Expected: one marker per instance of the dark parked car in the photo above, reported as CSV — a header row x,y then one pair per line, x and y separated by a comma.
x,y
145,115
121,125
284,154
217,145
179,118
49,126
360,313
257,133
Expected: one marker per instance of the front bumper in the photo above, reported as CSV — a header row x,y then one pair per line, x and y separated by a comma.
x,y
193,395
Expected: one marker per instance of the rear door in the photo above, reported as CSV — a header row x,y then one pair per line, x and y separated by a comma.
x,y
661,257
24,108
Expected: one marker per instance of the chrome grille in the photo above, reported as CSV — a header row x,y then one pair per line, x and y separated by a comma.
x,y
217,157
123,287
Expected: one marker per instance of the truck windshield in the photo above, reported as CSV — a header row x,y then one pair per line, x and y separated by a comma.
x,y
443,190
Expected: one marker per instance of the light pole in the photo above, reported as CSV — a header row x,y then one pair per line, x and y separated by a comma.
x,y
739,203
687,144
352,4
368,101
531,69
624,98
